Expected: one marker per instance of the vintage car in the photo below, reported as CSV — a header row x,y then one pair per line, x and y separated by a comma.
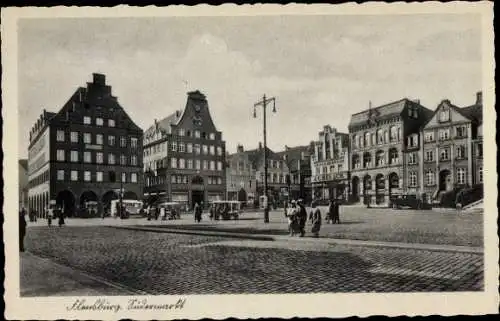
x,y
172,210
408,200
225,209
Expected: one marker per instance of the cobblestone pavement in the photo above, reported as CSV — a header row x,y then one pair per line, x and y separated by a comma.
x,y
358,223
163,263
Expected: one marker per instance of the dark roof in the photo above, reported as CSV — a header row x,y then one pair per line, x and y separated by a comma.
x,y
380,112
164,124
256,156
24,164
474,112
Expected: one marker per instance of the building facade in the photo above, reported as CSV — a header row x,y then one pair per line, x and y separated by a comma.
x,y
184,156
298,162
241,177
378,138
452,149
330,165
23,184
90,151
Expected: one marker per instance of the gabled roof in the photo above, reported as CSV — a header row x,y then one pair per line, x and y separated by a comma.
x,y
24,164
380,112
164,124
474,113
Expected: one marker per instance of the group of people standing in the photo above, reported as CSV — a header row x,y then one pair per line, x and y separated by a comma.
x,y
296,214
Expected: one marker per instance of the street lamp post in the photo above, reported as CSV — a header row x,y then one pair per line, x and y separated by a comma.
x,y
264,103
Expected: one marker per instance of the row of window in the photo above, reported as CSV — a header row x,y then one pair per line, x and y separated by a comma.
x,y
380,159
99,139
445,133
444,153
89,176
99,121
180,132
182,163
430,177
332,169
378,138
96,157
183,179
184,148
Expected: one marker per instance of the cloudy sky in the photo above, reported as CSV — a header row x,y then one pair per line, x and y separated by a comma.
x,y
321,69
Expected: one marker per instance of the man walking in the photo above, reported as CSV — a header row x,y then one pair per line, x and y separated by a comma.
x,y
336,212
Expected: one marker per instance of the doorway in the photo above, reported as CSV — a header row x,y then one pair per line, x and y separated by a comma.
x,y
197,197
445,183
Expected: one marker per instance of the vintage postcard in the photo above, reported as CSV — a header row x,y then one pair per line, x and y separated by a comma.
x,y
249,161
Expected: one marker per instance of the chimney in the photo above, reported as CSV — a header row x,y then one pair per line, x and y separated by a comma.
x,y
479,98
177,114
239,148
99,79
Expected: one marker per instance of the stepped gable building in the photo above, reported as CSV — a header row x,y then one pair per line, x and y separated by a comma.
x,y
298,161
241,177
378,138
330,165
88,152
184,156
452,150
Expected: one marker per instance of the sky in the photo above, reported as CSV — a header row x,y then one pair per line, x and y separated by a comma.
x,y
320,69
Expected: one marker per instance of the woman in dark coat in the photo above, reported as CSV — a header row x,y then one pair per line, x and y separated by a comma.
x,y
22,231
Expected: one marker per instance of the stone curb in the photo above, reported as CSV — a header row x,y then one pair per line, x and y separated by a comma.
x,y
331,241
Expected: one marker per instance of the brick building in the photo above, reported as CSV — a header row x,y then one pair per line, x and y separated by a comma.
x,y
241,177
378,138
452,149
89,151
184,156
330,165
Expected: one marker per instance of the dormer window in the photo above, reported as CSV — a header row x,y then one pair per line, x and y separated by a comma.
x,y
444,115
212,136
181,132
99,121
87,120
111,122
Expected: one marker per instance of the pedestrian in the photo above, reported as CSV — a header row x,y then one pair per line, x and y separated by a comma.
x,y
22,229
302,215
196,210
61,217
291,215
50,214
331,210
336,212
212,212
316,220
162,213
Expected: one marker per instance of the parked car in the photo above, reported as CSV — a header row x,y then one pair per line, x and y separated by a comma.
x,y
408,200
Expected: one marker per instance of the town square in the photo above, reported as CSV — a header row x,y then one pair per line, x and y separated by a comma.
x,y
282,154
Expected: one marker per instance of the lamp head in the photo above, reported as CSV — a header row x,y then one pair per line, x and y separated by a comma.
x,y
254,113
274,106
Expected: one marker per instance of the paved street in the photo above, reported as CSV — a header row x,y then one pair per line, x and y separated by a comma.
x,y
166,263
358,223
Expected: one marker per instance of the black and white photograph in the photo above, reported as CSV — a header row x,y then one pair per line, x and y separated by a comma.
x,y
231,161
